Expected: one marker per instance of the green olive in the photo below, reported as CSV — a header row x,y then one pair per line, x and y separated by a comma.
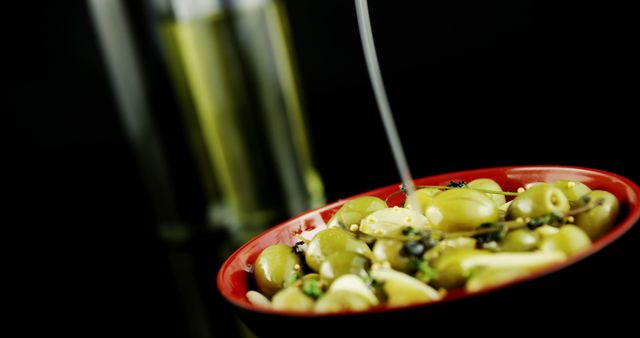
x,y
273,266
342,263
461,209
292,299
519,240
597,221
539,200
391,222
332,240
424,197
353,211
341,300
390,250
489,184
570,240
451,273
572,189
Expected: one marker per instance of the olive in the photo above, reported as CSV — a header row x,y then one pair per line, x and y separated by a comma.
x,y
390,250
402,289
273,266
311,276
489,184
353,211
539,200
572,189
546,231
293,299
596,221
461,209
451,273
519,240
332,240
424,197
341,300
391,222
570,240
342,263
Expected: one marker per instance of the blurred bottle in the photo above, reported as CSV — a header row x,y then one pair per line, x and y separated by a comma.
x,y
208,94
222,71
232,67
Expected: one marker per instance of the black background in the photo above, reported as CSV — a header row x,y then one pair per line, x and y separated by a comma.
x,y
472,84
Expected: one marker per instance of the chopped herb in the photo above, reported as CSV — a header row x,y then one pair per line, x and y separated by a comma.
x,y
493,246
424,272
499,231
312,288
473,272
429,243
292,278
297,248
458,184
550,218
413,248
585,199
378,290
418,247
409,231
368,279
403,188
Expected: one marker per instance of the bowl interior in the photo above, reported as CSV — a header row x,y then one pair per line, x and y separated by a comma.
x,y
234,276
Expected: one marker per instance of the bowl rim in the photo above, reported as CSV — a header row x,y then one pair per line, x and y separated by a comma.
x,y
624,225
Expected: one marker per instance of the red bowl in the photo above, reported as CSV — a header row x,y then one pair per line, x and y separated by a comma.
x,y
234,276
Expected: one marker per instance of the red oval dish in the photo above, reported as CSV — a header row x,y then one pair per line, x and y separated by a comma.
x,y
233,277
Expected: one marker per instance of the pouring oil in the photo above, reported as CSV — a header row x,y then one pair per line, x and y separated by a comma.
x,y
366,35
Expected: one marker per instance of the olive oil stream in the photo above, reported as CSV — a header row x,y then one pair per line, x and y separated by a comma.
x,y
366,35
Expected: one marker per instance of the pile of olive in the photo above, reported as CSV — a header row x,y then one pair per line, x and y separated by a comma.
x,y
461,236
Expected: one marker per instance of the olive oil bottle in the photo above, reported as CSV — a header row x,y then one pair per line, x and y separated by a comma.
x,y
232,68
